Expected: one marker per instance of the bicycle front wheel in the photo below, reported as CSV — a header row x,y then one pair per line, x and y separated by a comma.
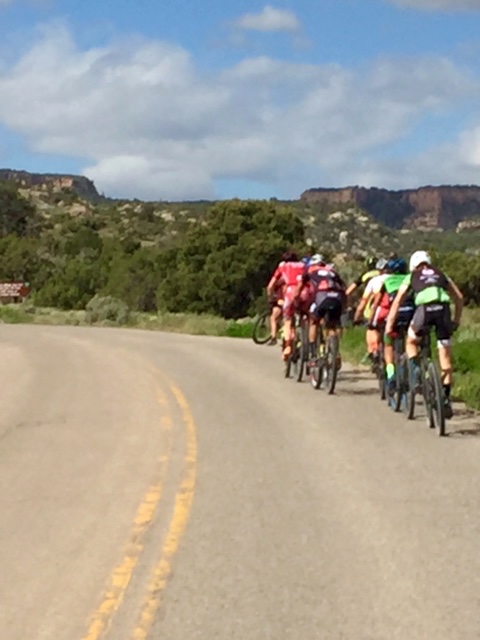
x,y
261,333
317,369
437,399
303,351
408,382
331,363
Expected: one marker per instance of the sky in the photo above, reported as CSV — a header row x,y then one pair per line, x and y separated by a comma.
x,y
186,100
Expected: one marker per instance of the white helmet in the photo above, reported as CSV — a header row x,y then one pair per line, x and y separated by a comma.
x,y
418,258
317,259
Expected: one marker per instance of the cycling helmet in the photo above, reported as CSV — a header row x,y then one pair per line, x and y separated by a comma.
x,y
397,265
418,258
381,264
370,262
290,256
317,259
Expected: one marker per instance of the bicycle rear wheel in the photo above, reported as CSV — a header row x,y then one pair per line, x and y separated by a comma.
x,y
303,350
438,400
406,379
381,376
261,333
331,363
318,368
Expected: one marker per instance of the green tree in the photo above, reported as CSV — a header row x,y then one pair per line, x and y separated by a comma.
x,y
16,213
134,279
222,265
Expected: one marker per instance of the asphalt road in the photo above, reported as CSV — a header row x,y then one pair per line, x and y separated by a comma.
x,y
155,486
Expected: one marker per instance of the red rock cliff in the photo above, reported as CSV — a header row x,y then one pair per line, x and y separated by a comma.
x,y
424,208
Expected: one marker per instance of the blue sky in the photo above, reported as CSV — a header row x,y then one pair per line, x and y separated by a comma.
x,y
183,100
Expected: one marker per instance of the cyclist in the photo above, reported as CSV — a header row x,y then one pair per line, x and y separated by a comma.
x,y
370,272
433,292
287,274
364,309
275,301
396,270
326,294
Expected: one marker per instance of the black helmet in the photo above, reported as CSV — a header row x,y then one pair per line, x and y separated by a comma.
x,y
290,256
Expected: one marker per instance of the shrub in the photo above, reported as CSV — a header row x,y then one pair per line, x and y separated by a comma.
x,y
106,309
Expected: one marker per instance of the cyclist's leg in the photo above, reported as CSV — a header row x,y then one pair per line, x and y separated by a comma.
x,y
442,322
317,313
414,333
388,355
333,321
288,311
275,316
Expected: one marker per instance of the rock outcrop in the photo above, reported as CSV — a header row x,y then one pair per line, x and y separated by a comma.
x,y
426,208
80,185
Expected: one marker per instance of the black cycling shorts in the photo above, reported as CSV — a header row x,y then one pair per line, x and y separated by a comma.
x,y
328,305
435,315
404,317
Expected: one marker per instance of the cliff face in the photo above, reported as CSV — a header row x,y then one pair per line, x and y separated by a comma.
x,y
424,208
82,186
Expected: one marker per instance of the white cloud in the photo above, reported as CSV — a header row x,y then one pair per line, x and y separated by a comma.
x,y
269,19
453,5
152,126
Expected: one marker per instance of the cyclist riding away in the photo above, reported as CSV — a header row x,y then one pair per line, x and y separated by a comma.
x,y
327,299
288,274
396,270
433,292
364,310
365,277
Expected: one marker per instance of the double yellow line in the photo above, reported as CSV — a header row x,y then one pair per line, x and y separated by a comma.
x,y
123,572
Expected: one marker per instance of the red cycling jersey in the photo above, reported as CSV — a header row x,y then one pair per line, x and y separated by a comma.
x,y
288,274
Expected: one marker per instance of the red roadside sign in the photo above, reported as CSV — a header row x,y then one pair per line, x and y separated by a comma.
x,y
14,289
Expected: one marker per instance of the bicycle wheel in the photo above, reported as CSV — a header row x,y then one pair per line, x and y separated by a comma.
x,y
318,369
438,400
428,391
261,333
381,376
303,351
331,363
398,399
407,382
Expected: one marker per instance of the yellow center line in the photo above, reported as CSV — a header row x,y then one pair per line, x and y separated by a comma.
x,y
121,576
181,511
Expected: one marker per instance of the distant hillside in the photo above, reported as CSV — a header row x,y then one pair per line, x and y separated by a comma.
x,y
426,208
55,182
349,222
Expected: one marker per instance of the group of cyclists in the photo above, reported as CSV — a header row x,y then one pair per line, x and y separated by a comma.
x,y
415,296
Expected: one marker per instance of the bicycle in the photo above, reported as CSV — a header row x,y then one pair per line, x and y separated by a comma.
x,y
377,360
403,397
380,371
261,331
325,366
299,355
425,378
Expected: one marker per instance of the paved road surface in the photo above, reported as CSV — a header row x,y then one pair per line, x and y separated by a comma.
x,y
156,486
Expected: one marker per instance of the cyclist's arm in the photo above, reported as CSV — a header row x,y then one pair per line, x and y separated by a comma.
x,y
355,284
271,286
361,306
457,298
396,304
376,301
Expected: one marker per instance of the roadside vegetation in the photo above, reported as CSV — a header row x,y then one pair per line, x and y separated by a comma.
x,y
200,267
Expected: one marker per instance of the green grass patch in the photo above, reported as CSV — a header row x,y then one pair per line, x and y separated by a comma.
x,y
353,345
14,314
